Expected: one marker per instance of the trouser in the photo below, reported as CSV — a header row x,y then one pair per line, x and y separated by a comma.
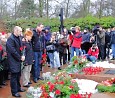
x,y
1,76
26,74
15,82
37,65
101,52
63,56
113,50
54,59
77,50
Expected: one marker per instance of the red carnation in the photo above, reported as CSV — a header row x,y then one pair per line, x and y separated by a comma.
x,y
51,87
61,82
21,48
75,62
1,48
71,87
44,56
57,92
73,96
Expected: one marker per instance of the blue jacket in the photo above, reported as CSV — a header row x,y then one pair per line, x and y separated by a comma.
x,y
85,37
38,41
47,36
13,45
112,37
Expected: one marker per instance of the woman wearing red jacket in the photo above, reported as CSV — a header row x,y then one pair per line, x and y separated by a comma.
x,y
93,53
76,42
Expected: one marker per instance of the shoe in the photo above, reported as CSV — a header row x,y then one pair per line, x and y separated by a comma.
x,y
113,59
35,80
29,82
16,95
21,90
26,86
59,68
40,78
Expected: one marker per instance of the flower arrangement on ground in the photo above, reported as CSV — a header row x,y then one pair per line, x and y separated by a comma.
x,y
60,86
107,86
77,63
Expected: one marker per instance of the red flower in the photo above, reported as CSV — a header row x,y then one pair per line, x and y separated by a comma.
x,y
73,96
49,83
57,92
71,87
21,48
1,48
75,62
61,82
52,86
44,55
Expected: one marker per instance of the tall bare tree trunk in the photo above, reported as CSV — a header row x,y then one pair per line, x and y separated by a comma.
x,y
100,9
47,8
41,8
67,8
15,10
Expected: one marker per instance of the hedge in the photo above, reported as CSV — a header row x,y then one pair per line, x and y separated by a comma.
x,y
87,22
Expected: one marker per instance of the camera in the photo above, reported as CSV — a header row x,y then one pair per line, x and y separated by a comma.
x,y
72,30
96,29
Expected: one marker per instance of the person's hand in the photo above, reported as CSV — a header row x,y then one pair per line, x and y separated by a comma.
x,y
23,58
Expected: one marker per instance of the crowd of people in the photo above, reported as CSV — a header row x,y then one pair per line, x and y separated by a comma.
x,y
21,53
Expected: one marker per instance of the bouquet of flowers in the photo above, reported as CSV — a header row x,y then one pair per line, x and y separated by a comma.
x,y
22,49
79,62
44,59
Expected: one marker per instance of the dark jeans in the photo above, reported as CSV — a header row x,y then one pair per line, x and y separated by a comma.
x,y
63,56
1,76
101,52
15,82
37,65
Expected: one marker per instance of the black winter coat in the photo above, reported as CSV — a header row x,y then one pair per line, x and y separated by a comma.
x,y
13,45
38,41
28,53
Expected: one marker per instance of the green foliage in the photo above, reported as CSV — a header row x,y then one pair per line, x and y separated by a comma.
x,y
103,88
79,62
88,21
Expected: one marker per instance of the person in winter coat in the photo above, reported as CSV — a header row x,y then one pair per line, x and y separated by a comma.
x,y
28,58
53,52
13,45
93,53
76,42
112,42
38,43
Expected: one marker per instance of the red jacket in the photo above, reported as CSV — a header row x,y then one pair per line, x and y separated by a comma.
x,y
77,39
93,53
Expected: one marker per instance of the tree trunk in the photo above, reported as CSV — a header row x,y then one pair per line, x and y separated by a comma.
x,y
66,15
47,8
41,8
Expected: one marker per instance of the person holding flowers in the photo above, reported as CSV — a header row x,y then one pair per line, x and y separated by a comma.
x,y
28,58
13,45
